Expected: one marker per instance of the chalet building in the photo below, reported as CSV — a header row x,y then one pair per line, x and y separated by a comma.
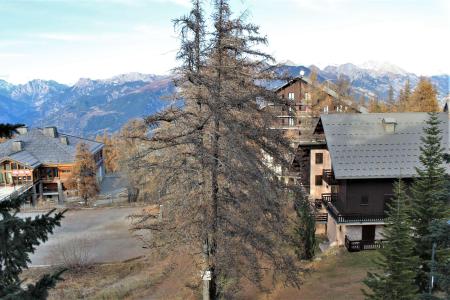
x,y
299,120
42,160
352,174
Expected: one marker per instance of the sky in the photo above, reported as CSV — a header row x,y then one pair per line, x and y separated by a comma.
x,y
65,40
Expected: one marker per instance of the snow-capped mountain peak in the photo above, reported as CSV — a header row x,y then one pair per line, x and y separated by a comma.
x,y
131,77
382,67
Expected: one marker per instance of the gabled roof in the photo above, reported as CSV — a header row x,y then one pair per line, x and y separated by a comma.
x,y
41,149
23,157
324,88
308,81
361,147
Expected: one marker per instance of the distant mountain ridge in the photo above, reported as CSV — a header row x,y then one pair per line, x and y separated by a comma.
x,y
92,105
89,106
374,79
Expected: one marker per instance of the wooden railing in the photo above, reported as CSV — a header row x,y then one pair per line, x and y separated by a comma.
x,y
330,199
17,192
328,176
321,217
359,245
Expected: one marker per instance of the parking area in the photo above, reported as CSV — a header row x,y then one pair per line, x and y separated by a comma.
x,y
105,229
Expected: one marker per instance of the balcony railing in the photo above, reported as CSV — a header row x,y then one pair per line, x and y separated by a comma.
x,y
359,245
330,199
328,176
19,191
321,217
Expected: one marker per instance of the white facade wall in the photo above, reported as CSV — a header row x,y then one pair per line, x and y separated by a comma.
x,y
332,231
354,232
336,232
378,232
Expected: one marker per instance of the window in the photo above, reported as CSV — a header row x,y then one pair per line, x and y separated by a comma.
x,y
307,97
291,122
364,200
319,158
318,180
291,96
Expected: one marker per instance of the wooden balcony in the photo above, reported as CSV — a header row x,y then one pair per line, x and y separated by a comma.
x,y
360,245
330,201
321,218
329,197
328,176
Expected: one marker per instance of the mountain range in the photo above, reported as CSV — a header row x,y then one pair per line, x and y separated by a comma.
x,y
90,106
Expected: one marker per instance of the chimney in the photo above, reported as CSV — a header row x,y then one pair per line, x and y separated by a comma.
x,y
64,140
389,125
51,132
17,146
22,130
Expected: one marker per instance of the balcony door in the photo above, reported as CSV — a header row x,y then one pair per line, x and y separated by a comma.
x,y
368,233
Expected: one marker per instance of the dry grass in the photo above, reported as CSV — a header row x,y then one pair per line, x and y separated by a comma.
x,y
337,275
142,278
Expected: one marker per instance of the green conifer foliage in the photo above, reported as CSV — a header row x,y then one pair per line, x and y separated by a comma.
x,y
397,272
306,229
18,238
429,196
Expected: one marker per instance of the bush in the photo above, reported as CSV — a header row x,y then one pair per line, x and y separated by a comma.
x,y
74,254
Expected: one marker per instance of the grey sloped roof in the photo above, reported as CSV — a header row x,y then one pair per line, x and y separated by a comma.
x,y
23,157
40,149
361,148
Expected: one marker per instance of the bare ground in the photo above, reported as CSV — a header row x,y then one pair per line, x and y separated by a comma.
x,y
337,275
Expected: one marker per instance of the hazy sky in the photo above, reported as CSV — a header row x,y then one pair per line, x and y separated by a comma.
x,y
68,39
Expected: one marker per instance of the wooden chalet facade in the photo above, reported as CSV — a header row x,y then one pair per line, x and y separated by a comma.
x,y
353,174
42,159
298,119
301,114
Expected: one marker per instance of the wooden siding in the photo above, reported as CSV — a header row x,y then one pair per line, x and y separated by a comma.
x,y
350,193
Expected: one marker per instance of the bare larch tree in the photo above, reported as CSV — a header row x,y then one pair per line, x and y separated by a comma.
x,y
217,160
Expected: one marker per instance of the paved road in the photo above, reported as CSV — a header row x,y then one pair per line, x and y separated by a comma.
x,y
112,184
105,229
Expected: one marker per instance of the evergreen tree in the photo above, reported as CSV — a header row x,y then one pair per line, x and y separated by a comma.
x,y
429,195
83,176
396,279
391,104
305,230
440,268
18,238
403,97
8,130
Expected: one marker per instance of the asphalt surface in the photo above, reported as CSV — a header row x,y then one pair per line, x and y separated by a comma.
x,y
106,231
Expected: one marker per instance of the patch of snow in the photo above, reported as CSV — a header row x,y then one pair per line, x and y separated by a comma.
x,y
383,67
